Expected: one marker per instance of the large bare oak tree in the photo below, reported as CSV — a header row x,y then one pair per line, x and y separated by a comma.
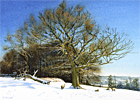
x,y
76,34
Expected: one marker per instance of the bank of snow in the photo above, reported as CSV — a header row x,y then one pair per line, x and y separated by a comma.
x,y
11,89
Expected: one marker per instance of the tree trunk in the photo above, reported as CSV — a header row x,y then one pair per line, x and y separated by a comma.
x,y
75,79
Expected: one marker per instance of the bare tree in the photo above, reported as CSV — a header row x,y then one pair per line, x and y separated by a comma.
x,y
76,33
18,43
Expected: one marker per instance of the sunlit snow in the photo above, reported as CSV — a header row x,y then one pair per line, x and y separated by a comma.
x,y
11,89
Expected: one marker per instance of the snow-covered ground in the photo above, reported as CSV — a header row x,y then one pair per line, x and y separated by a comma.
x,y
11,89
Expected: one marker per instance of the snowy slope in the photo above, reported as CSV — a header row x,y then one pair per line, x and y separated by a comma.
x,y
11,89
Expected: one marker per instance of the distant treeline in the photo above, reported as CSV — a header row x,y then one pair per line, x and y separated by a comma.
x,y
131,84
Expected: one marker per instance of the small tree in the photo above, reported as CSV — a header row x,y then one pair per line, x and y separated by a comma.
x,y
130,82
17,43
127,85
120,85
114,81
110,81
135,84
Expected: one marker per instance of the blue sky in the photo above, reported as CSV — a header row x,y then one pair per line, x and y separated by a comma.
x,y
121,14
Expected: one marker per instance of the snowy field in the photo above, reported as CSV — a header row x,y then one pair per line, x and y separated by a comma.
x,y
11,89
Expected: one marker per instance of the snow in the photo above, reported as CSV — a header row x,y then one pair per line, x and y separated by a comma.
x,y
11,89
